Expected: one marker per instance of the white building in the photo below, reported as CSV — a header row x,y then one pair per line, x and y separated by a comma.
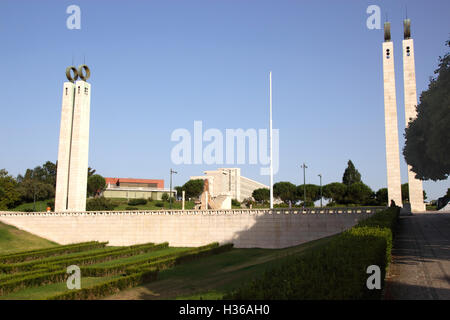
x,y
229,181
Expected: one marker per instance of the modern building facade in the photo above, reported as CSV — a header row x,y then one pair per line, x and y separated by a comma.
x,y
228,181
130,188
71,176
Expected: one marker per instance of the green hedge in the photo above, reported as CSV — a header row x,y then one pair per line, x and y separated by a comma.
x,y
145,262
108,287
103,257
333,271
137,202
60,250
82,258
181,258
33,280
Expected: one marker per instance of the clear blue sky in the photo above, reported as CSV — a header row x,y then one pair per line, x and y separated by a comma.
x,y
159,65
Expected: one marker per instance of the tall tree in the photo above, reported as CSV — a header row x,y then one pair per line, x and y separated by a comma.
x,y
262,194
351,175
405,193
335,192
95,185
428,136
193,188
286,191
312,192
359,193
9,195
382,196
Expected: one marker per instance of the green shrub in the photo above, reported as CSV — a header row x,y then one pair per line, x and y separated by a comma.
x,y
42,253
32,280
159,204
108,287
165,197
137,202
333,271
235,203
82,258
99,204
131,208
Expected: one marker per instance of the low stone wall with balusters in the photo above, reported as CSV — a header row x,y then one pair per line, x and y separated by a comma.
x,y
246,228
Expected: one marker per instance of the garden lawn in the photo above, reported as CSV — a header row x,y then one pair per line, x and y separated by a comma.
x,y
212,277
15,240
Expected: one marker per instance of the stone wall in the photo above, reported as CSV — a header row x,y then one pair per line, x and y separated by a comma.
x,y
264,228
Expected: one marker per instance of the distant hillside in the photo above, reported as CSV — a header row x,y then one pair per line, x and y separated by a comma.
x,y
13,239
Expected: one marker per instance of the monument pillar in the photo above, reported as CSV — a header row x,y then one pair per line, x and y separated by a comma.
x,y
71,176
65,134
390,121
78,170
410,93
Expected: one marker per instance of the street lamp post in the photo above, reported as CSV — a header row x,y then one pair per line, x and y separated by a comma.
x,y
304,166
170,196
320,176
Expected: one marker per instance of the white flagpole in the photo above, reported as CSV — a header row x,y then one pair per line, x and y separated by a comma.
x,y
271,145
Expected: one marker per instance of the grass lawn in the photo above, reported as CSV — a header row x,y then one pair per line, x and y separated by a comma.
x,y
40,206
212,277
14,240
46,291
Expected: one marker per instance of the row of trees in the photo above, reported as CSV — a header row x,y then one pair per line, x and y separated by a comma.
x,y
351,191
39,184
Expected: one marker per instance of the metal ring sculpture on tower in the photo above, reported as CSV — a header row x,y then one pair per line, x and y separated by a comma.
x,y
87,74
406,29
69,75
387,31
78,73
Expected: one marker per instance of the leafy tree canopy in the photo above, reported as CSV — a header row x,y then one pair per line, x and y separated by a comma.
x,y
262,194
193,188
9,196
351,175
312,192
95,185
286,191
428,136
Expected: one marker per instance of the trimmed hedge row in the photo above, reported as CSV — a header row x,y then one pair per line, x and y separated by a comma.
x,y
33,280
336,270
122,267
144,274
182,258
112,256
82,258
14,276
60,250
109,287
51,273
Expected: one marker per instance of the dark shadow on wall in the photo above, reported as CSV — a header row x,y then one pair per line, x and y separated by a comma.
x,y
282,230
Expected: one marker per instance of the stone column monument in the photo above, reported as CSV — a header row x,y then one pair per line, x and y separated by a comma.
x,y
390,120
71,176
409,79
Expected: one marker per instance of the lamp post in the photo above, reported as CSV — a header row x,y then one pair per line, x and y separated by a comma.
x,y
320,176
170,195
304,166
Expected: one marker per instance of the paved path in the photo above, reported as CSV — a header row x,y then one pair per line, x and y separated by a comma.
x,y
420,267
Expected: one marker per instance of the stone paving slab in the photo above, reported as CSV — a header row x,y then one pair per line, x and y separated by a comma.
x,y
420,267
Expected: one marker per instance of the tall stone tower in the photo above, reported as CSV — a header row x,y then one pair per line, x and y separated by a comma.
x,y
409,79
71,176
390,120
